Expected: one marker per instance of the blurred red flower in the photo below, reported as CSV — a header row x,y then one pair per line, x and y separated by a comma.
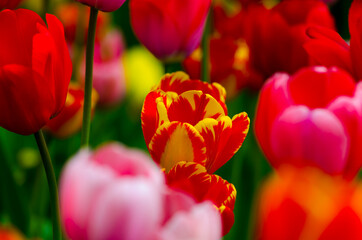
x,y
326,47
307,204
35,70
170,29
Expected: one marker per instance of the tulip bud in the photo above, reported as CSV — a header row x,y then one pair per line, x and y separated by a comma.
x,y
35,70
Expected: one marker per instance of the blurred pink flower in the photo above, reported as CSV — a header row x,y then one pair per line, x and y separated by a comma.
x,y
108,72
118,193
103,5
313,117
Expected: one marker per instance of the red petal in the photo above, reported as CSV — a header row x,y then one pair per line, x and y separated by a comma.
x,y
26,104
149,116
328,48
355,29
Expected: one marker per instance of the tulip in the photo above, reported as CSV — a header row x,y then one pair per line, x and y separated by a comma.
x,y
230,65
312,118
9,4
69,120
170,29
307,204
277,44
186,120
193,179
118,193
103,5
35,70
326,47
108,72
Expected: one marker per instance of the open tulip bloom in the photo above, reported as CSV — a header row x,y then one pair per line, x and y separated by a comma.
x,y
186,120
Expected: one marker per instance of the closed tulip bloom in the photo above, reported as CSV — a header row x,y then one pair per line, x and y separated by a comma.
x,y
119,193
35,70
103,5
312,118
307,204
170,29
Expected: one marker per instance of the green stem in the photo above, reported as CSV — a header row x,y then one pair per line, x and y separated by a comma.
x,y
45,9
89,77
52,183
205,45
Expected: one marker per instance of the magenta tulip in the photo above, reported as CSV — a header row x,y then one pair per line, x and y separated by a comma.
x,y
170,29
118,193
103,5
312,118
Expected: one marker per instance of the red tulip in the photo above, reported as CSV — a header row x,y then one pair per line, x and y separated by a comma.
x,y
312,118
276,36
103,5
230,65
10,4
35,70
326,47
307,204
169,28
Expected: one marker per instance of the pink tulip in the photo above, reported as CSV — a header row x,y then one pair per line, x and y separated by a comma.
x,y
312,118
170,29
103,5
118,193
108,72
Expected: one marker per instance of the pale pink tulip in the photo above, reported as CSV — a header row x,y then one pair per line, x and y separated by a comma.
x,y
118,193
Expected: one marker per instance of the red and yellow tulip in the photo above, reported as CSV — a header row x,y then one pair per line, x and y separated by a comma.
x,y
186,120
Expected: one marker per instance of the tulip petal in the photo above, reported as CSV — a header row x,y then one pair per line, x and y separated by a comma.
x,y
193,106
118,210
24,113
339,229
223,138
62,70
355,28
149,116
176,142
201,222
179,82
327,48
349,112
302,136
